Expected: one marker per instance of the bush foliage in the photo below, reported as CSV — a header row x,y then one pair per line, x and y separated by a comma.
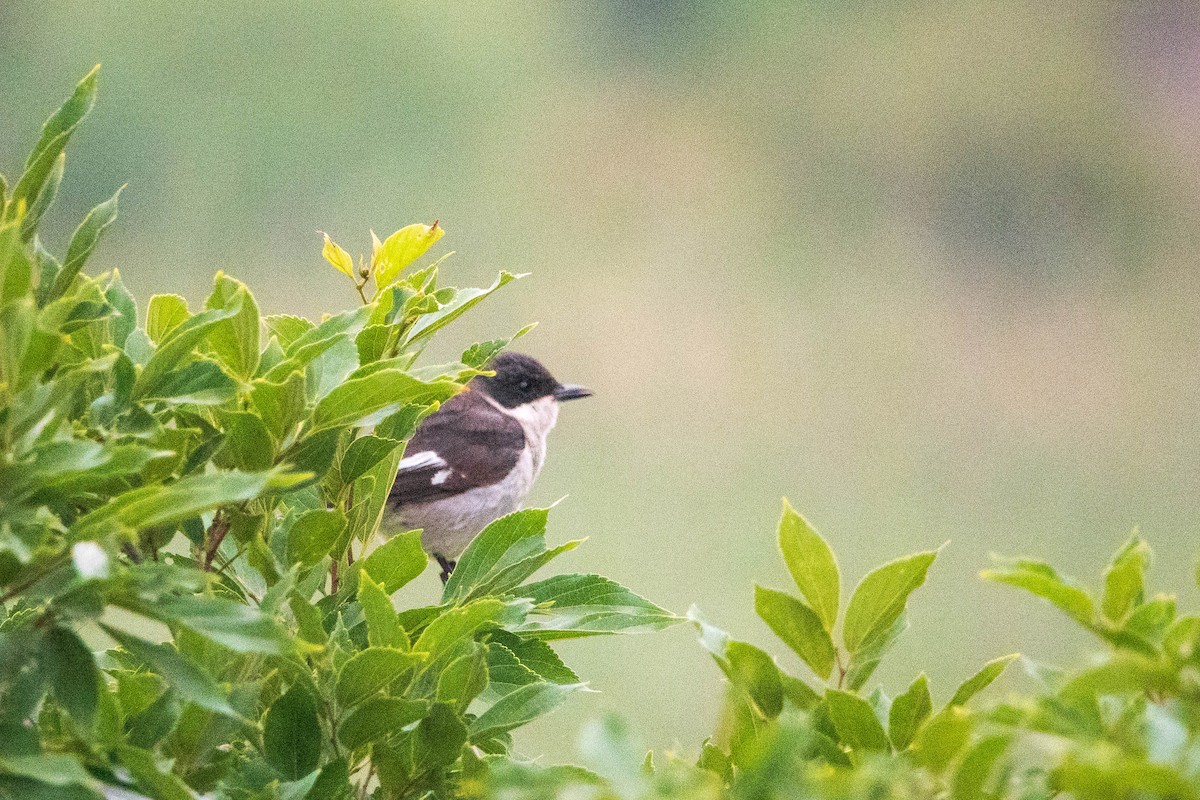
x,y
196,598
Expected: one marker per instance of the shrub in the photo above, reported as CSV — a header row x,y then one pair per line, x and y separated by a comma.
x,y
1125,727
170,473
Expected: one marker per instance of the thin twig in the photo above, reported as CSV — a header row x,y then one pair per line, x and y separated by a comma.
x,y
214,537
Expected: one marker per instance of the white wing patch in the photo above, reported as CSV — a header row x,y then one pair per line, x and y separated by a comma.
x,y
441,476
422,460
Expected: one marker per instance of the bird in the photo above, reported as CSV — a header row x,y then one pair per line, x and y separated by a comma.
x,y
475,459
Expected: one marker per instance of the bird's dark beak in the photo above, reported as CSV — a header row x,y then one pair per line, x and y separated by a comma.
x,y
571,392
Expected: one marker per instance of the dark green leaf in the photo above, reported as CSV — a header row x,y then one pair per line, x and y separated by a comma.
x,y
439,738
192,683
292,734
72,673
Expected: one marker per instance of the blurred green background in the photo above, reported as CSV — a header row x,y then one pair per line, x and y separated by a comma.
x,y
926,268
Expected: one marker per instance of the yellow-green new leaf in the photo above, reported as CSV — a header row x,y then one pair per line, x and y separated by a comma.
x,y
855,721
1124,579
811,563
336,256
798,626
401,249
880,598
982,679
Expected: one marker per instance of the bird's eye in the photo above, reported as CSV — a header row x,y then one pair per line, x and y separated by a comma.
x,y
523,385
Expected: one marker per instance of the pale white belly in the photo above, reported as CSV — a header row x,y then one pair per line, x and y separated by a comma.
x,y
449,524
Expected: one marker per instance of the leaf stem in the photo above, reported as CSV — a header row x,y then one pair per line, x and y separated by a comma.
x,y
214,537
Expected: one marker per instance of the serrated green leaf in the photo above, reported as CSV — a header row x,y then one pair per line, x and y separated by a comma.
x,y
811,563
379,717
240,627
280,404
880,598
463,302
366,400
503,543
520,707
178,345
363,454
370,670
798,626
235,339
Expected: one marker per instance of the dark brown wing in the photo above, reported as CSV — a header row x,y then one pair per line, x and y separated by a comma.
x,y
465,444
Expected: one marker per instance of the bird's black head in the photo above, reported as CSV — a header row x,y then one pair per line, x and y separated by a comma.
x,y
521,379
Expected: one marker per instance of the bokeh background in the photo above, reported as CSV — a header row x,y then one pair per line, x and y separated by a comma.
x,y
926,268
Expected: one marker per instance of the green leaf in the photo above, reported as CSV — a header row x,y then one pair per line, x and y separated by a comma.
x,y
401,249
119,297
280,404
463,678
747,667
72,673
165,313
379,717
855,721
463,302
363,454
396,562
798,626
287,328
366,400
248,444
505,672
83,242
178,345
1124,579
1125,673
383,624
55,134
155,505
240,627
55,769
201,382
370,670
451,627
520,707
908,711
143,766
292,734
439,739
880,598
45,198
313,535
942,737
982,679
1041,579
811,563
16,271
504,543
577,605
972,775
184,677
536,655
338,258
235,339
